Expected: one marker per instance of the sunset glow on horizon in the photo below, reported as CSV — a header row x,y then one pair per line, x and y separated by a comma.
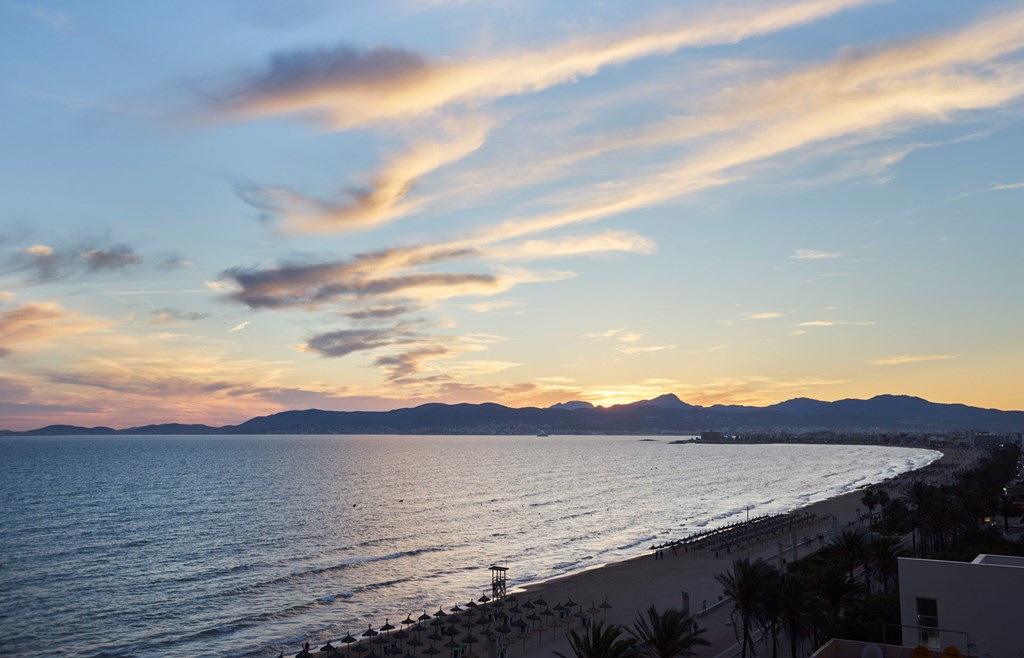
x,y
222,210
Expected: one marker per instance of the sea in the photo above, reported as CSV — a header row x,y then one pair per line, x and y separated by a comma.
x,y
251,545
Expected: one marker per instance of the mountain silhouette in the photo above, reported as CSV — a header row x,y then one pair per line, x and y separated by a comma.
x,y
665,414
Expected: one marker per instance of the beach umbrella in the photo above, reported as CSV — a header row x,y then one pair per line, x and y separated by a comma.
x,y
369,632
348,639
569,602
512,598
471,604
593,609
392,650
450,631
529,604
424,616
360,648
483,599
437,621
605,606
303,654
440,612
504,629
400,634
415,642
541,601
327,647
380,639
387,626
435,636
520,624
452,644
455,608
431,650
408,621
470,639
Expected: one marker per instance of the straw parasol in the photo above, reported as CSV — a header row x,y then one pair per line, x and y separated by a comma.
x,y
327,648
605,606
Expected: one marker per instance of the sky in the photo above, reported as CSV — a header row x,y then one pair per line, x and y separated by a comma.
x,y
216,210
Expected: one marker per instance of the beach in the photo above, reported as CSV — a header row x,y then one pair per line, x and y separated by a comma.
x,y
631,586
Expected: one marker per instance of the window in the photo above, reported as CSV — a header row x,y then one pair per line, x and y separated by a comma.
x,y
928,622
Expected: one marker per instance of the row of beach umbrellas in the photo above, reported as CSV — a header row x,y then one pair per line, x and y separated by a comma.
x,y
507,613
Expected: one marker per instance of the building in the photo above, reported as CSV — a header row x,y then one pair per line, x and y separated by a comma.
x,y
973,606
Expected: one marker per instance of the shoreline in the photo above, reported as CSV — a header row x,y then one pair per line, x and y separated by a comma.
x,y
684,578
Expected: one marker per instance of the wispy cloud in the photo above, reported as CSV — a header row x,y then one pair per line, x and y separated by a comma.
x,y
38,323
42,263
763,315
345,87
384,197
628,341
811,254
835,323
239,326
57,20
1007,186
904,359
168,315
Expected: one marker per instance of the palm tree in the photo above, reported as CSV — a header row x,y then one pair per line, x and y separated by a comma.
x,y
917,496
600,641
870,500
747,585
799,608
852,546
838,588
885,553
668,634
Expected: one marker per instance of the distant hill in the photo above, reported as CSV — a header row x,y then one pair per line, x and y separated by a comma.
x,y
665,414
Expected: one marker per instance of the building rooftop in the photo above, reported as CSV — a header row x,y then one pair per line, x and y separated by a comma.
x,y
999,560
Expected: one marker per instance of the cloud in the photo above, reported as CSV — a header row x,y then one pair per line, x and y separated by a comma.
x,y
576,245
1007,186
628,340
383,198
765,315
44,263
239,326
115,258
167,315
835,323
57,20
904,359
405,364
38,323
347,341
810,254
379,312
346,87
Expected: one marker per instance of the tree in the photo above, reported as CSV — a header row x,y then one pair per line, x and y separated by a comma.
x,y
852,547
885,553
668,634
838,588
747,584
600,641
799,609
870,500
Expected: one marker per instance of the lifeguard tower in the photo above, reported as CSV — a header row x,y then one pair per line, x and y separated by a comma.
x,y
498,581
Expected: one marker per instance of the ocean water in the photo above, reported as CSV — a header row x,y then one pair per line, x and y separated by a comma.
x,y
245,546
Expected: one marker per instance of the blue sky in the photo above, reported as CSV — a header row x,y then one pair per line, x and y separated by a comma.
x,y
216,210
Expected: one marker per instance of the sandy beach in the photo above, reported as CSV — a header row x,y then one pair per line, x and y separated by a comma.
x,y
633,585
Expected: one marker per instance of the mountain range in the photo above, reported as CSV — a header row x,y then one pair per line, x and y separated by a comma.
x,y
665,414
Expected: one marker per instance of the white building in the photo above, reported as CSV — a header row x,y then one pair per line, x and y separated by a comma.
x,y
977,607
